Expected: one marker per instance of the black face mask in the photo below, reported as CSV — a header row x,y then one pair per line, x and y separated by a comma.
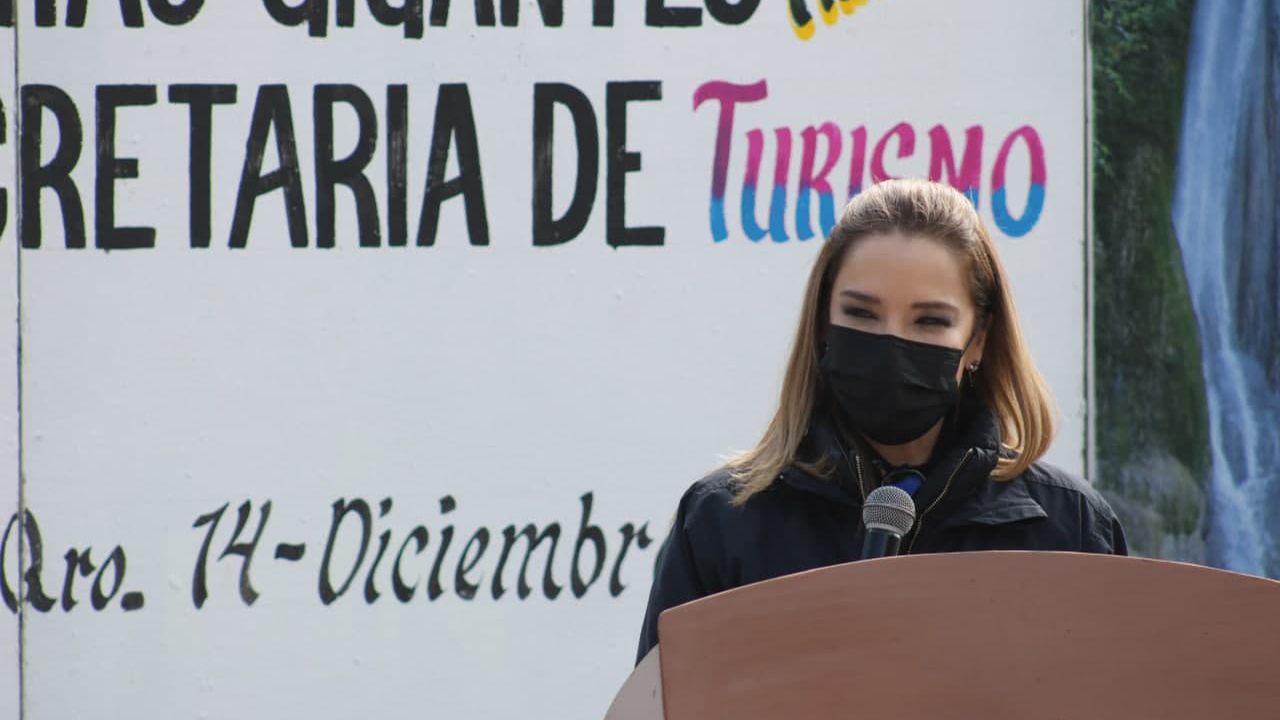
x,y
890,389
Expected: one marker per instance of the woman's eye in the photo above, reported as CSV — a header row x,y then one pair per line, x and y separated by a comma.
x,y
934,321
858,312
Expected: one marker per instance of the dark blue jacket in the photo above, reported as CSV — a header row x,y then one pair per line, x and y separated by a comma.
x,y
803,521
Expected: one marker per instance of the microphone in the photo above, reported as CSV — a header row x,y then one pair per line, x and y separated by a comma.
x,y
888,514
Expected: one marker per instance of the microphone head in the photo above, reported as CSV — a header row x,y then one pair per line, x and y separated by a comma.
x,y
889,508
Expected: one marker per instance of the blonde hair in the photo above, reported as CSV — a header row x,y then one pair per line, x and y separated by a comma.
x,y
1010,385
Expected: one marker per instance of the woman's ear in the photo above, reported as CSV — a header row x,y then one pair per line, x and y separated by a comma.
x,y
971,360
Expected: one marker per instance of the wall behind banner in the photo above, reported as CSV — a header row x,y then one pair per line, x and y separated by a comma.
x,y
365,353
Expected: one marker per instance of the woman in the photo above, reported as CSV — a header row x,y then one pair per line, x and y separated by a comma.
x,y
909,368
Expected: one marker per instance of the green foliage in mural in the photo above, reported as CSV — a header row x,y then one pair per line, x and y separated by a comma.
x,y
1153,460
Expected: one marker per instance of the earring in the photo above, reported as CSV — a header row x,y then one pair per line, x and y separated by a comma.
x,y
973,367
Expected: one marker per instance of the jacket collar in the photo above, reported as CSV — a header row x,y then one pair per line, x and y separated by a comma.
x,y
958,488
824,451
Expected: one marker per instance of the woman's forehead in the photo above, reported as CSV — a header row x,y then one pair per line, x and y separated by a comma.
x,y
903,267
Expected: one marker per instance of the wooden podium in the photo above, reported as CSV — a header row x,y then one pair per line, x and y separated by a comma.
x,y
961,636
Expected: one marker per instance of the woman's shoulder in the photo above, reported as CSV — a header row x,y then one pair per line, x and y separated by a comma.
x,y
1071,502
719,484
710,508
1046,479
1073,508
711,495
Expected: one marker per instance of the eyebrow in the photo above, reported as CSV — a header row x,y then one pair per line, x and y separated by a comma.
x,y
936,305
873,300
861,296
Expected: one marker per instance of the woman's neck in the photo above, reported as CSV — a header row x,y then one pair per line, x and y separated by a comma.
x,y
915,453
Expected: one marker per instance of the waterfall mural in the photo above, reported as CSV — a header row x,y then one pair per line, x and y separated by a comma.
x,y
1225,218
1187,265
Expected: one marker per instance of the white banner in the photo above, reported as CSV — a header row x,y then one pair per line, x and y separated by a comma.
x,y
366,351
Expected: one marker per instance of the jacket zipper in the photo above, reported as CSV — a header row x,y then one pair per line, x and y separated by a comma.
x,y
857,467
857,464
945,488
